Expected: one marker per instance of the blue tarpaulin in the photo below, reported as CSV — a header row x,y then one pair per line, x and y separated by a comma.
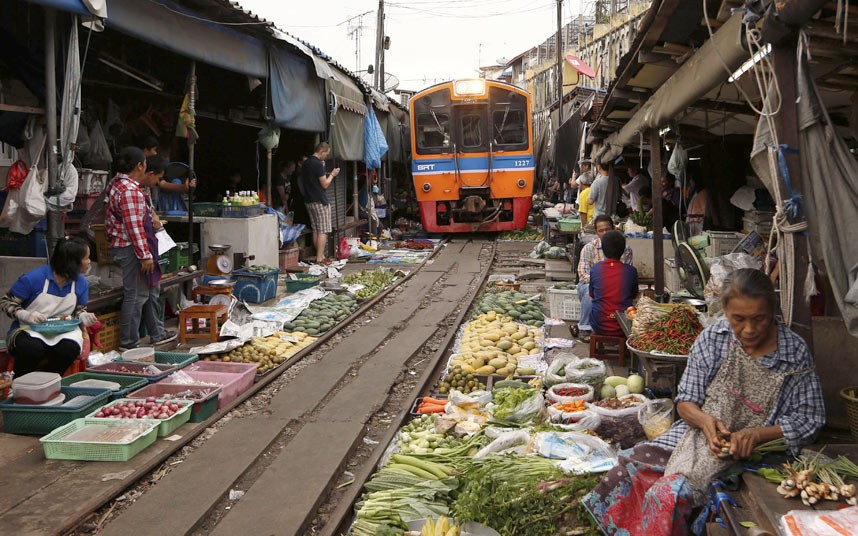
x,y
297,94
374,144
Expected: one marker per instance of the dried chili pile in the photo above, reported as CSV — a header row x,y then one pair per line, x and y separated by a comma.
x,y
674,334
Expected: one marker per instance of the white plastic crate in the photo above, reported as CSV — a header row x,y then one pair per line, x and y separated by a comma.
x,y
564,304
722,243
671,276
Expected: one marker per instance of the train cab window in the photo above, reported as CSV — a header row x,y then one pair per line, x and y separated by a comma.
x,y
472,131
509,119
433,131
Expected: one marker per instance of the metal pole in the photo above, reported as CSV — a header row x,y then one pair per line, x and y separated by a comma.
x,y
268,179
559,49
55,226
355,187
657,217
379,43
192,99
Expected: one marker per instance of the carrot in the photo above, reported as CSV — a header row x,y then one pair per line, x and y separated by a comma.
x,y
430,400
430,409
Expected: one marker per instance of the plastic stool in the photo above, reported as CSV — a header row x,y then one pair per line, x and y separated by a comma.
x,y
599,347
216,315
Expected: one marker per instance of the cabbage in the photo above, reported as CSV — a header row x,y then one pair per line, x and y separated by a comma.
x,y
635,384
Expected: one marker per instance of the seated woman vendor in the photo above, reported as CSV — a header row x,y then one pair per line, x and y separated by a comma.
x,y
749,380
613,286
50,291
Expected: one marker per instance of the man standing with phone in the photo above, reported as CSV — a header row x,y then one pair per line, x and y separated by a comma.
x,y
315,183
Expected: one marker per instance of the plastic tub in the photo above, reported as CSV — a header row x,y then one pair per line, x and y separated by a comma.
x,y
139,354
126,383
36,387
232,378
137,370
40,420
178,360
205,398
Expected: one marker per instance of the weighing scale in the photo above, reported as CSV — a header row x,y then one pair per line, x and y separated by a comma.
x,y
219,263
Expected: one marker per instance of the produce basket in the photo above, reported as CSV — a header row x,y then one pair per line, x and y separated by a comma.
x,y
248,211
656,357
168,358
568,225
127,383
211,210
57,447
850,400
137,370
102,255
564,304
413,411
302,282
54,327
205,398
255,287
166,426
233,378
40,420
178,256
109,335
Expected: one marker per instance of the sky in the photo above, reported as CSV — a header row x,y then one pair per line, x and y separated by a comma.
x,y
431,40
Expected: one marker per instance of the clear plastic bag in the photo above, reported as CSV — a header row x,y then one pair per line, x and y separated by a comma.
x,y
578,421
527,411
720,268
621,426
587,370
512,439
556,372
656,417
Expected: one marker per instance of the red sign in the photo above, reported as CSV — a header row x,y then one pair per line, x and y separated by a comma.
x,y
580,66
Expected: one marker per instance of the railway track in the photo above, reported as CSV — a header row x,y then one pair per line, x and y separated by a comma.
x,y
298,448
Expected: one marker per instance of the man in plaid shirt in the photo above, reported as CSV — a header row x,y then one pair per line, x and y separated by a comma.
x,y
129,250
591,255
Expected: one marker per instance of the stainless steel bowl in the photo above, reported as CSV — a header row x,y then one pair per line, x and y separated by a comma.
x,y
221,283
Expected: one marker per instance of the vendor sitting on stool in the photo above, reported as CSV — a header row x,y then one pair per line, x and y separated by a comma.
x,y
749,380
49,291
613,286
590,256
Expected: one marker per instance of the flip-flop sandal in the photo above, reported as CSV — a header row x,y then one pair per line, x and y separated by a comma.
x,y
585,338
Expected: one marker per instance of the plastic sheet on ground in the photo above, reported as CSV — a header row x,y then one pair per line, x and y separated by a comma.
x,y
555,342
581,453
218,347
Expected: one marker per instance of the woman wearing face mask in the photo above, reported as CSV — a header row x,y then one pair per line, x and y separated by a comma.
x,y
50,291
749,380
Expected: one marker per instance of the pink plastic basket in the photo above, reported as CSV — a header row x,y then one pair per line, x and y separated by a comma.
x,y
233,378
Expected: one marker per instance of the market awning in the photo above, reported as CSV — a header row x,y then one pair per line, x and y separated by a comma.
x,y
709,67
297,95
347,111
170,26
85,8
323,70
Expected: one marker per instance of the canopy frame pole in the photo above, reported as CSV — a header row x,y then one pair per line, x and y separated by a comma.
x,y
192,97
55,226
657,215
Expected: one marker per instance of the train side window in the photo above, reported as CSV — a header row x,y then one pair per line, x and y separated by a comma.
x,y
433,131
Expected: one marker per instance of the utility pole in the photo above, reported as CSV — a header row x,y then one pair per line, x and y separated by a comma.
x,y
559,48
379,48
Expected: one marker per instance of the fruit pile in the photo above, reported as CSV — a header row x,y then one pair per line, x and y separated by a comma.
x,y
519,306
373,281
322,314
268,352
492,344
458,379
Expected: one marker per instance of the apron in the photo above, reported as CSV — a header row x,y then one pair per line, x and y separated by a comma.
x,y
153,278
743,394
53,306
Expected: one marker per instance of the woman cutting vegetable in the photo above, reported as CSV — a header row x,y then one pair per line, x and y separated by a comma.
x,y
749,380
55,290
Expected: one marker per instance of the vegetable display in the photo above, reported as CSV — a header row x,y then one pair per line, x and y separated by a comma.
x,y
322,314
674,334
414,244
460,380
530,234
373,281
812,480
151,408
268,352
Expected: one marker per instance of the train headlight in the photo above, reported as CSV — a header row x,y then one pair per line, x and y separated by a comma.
x,y
522,183
474,86
426,186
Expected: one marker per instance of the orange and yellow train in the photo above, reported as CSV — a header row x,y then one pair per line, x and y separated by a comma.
x,y
472,156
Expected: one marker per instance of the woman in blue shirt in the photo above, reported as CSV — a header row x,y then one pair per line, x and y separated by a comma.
x,y
50,291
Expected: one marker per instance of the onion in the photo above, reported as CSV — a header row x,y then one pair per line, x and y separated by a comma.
x,y
150,399
163,416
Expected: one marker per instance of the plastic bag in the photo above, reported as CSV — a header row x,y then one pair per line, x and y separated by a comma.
x,y
473,400
555,398
720,268
527,411
656,417
16,175
582,453
621,426
513,439
678,161
577,420
587,370
99,152
556,372
344,251
539,250
555,253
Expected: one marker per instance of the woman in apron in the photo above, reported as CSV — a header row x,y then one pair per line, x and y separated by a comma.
x,y
749,380
51,291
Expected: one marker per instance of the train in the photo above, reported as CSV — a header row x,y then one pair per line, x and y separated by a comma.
x,y
472,156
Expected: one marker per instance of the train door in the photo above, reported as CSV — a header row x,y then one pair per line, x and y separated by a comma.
x,y
472,144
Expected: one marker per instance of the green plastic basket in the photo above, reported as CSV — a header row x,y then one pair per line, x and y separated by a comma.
x,y
57,448
167,425
204,406
303,281
39,420
569,225
169,358
126,383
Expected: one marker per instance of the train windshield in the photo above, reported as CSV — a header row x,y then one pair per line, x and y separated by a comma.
x,y
509,119
472,124
432,122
